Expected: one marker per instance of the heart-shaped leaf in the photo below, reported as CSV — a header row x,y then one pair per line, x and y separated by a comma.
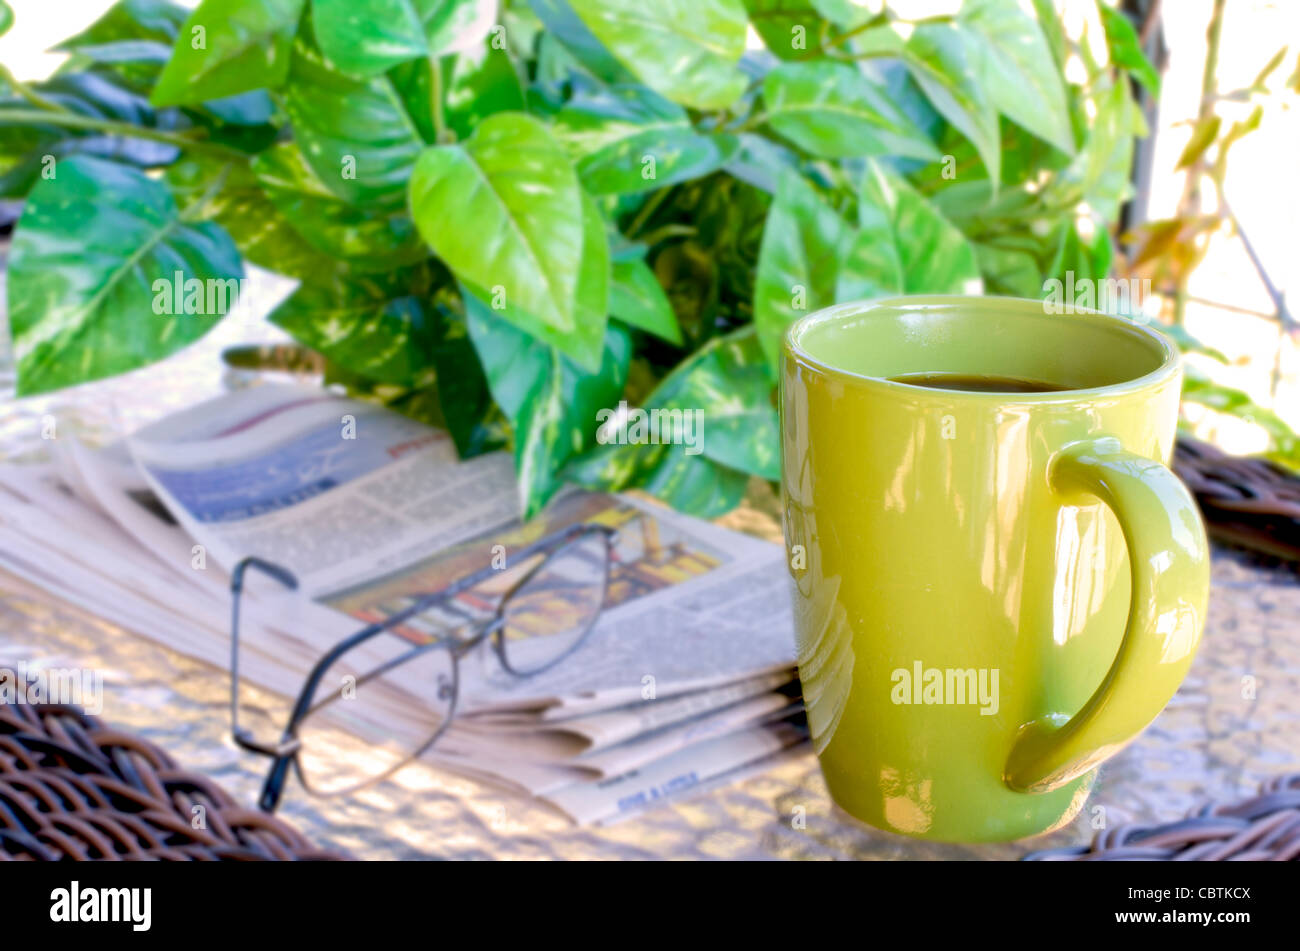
x,y
627,139
834,111
227,47
1018,70
355,133
798,261
903,245
685,50
368,37
504,211
100,257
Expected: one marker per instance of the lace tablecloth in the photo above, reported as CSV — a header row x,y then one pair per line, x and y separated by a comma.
x,y
1235,722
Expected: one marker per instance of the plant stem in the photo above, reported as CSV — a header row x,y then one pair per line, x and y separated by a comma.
x,y
643,215
1191,201
668,231
74,120
27,92
843,38
435,94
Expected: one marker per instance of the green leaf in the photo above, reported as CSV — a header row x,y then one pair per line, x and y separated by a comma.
x,y
1010,272
628,139
6,18
247,108
227,191
685,50
134,38
1049,21
378,328
157,21
940,60
558,417
1099,174
903,245
693,484
88,250
759,161
369,241
478,83
1018,71
636,298
1126,48
504,211
786,26
832,110
726,382
368,37
563,26
228,47
96,94
355,133
797,262
551,401
475,422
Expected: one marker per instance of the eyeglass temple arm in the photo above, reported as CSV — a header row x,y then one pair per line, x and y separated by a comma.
x,y
286,578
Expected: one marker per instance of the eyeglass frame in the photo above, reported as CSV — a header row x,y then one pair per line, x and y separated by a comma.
x,y
284,754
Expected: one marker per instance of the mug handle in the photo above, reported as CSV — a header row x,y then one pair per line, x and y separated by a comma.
x,y
1170,564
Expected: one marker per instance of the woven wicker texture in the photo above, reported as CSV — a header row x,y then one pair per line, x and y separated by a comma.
x,y
1265,827
71,788
1248,502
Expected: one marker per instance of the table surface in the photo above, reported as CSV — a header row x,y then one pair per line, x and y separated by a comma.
x,y
1234,723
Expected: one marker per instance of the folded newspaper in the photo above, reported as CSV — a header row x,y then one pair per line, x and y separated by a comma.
x,y
686,679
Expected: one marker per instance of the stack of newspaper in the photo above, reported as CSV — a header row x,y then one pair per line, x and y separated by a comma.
x,y
687,679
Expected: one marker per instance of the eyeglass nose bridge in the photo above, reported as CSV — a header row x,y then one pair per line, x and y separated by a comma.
x,y
288,746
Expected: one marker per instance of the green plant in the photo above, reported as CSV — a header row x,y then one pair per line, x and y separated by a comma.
x,y
507,220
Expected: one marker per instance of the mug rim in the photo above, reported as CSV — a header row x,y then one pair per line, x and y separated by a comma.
x,y
1169,367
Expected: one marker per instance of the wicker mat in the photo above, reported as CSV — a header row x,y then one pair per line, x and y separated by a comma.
x,y
72,788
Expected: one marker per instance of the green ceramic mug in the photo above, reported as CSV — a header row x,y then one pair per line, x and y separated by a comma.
x,y
994,592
